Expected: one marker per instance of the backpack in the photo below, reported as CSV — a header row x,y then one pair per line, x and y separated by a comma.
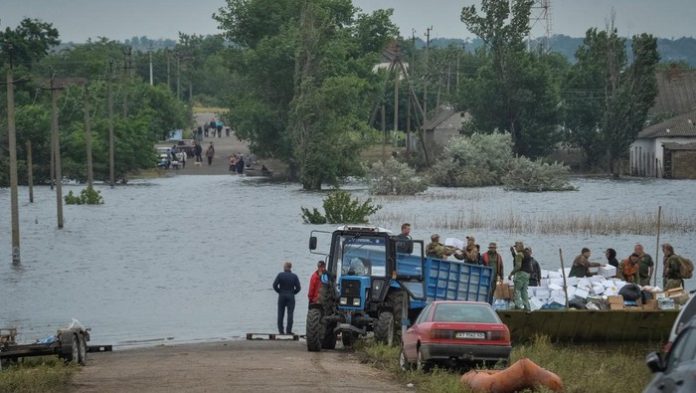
x,y
686,267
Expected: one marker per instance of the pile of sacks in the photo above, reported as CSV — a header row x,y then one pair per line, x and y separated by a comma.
x,y
597,292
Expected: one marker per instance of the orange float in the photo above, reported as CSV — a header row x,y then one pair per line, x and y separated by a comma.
x,y
524,374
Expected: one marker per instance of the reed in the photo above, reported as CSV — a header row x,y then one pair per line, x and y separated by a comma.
x,y
548,223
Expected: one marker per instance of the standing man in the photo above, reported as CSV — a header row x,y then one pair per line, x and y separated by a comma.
x,y
315,283
197,151
494,260
581,264
405,246
646,265
287,285
210,153
535,278
672,268
522,272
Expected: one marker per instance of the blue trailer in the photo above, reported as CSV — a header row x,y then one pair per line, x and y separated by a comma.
x,y
380,283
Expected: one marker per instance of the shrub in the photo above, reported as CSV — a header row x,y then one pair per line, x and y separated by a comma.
x,y
536,176
341,208
394,178
88,196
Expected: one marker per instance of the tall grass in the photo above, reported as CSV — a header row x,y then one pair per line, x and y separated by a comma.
x,y
41,375
583,368
549,223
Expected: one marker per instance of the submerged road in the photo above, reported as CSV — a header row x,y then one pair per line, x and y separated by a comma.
x,y
234,366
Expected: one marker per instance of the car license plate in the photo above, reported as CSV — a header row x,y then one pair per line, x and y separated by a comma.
x,y
470,335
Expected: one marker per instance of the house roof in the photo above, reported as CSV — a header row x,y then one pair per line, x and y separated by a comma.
x,y
683,125
679,146
442,114
676,91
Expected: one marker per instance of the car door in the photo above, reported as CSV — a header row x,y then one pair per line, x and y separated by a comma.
x,y
410,339
681,366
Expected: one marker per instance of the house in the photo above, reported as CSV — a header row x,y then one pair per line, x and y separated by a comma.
x,y
444,124
666,149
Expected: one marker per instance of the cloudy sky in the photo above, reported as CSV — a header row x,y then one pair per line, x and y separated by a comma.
x,y
78,20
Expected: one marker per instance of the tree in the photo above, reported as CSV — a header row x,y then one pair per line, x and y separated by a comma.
x,y
606,101
515,90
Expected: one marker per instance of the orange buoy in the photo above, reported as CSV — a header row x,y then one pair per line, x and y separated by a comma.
x,y
524,374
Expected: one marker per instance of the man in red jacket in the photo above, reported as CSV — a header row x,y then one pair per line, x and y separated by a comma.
x,y
315,282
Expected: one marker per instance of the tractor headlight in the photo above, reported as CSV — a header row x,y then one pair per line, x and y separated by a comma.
x,y
356,302
344,301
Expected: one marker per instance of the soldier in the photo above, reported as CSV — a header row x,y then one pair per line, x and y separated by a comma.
x,y
494,260
535,278
581,264
471,254
672,273
522,272
435,249
646,265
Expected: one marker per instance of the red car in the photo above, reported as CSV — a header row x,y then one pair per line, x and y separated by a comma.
x,y
455,333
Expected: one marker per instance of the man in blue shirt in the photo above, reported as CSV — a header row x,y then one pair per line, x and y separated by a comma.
x,y
287,285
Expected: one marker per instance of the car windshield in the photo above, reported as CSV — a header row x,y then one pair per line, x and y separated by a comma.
x,y
684,349
461,312
360,256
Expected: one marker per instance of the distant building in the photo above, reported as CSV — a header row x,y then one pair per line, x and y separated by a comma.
x,y
444,124
666,149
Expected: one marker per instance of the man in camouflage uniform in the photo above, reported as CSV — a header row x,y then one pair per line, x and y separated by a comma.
x,y
522,273
435,249
495,261
672,273
646,265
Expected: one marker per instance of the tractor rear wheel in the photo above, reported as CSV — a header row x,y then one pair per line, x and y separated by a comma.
x,y
315,330
384,328
398,300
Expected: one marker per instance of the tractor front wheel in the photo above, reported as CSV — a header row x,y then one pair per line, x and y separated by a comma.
x,y
384,328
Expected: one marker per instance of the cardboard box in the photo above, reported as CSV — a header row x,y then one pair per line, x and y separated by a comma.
x,y
607,271
650,305
582,293
543,293
616,306
615,299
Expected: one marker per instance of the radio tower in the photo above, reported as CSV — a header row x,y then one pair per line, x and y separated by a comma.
x,y
541,13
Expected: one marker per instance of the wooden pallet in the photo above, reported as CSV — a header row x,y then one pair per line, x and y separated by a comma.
x,y
272,336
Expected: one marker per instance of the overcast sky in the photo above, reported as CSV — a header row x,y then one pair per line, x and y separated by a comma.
x,y
78,20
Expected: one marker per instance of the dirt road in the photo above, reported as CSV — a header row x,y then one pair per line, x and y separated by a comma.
x,y
233,366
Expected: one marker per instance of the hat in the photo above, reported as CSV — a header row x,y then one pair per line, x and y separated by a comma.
x,y
492,245
434,237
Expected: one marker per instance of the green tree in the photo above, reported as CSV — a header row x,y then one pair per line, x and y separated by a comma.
x,y
515,90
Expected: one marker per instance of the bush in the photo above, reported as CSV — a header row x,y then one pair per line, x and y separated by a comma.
x,y
340,208
483,160
536,176
88,196
394,178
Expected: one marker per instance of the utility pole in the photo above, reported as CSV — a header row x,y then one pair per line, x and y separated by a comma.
x,y
12,137
397,83
426,74
384,132
178,76
111,125
126,75
30,173
88,140
169,82
56,145
151,77
408,126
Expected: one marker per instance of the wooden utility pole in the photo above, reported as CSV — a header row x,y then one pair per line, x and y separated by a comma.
x,y
384,133
30,173
126,76
52,168
12,138
112,176
657,246
408,125
88,140
397,84
151,76
426,73
178,76
169,81
56,145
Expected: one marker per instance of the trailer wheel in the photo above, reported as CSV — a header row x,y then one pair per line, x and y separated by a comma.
x,y
69,347
384,328
82,349
329,341
315,330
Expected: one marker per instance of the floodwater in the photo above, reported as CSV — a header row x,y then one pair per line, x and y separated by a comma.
x,y
192,258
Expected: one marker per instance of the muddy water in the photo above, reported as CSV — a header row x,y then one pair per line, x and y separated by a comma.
x,y
192,258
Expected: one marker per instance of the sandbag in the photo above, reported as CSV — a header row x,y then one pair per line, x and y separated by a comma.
x,y
524,374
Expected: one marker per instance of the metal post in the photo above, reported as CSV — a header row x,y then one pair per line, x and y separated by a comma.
x,y
88,140
30,173
12,137
56,144
565,284
657,246
112,176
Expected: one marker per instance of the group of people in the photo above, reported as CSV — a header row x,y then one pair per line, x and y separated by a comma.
x,y
287,285
213,128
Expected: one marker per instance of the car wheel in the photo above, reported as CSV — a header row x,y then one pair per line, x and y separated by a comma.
x,y
403,362
422,365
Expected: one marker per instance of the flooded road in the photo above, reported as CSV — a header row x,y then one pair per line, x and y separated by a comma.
x,y
192,258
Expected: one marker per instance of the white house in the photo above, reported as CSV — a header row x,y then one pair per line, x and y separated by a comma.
x,y
666,149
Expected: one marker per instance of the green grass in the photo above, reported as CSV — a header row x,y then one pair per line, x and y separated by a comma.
x,y
39,375
612,368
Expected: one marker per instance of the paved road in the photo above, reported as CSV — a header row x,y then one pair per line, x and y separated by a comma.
x,y
235,366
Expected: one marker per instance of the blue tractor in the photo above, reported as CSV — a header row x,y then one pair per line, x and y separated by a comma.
x,y
377,282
